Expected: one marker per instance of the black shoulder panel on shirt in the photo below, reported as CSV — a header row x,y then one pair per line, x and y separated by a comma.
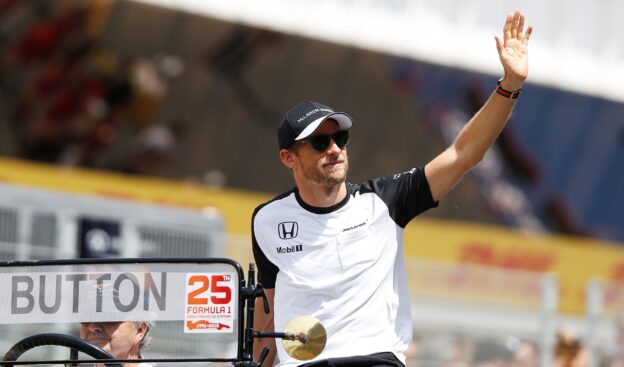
x,y
406,194
267,271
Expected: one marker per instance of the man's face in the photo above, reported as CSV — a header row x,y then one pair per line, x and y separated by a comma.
x,y
121,339
328,168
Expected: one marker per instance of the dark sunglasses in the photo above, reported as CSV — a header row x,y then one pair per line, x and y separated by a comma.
x,y
320,143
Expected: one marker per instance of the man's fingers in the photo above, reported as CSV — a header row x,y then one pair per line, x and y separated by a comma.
x,y
514,24
507,28
520,25
527,35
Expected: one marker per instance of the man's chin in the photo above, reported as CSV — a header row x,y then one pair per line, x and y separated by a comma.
x,y
332,181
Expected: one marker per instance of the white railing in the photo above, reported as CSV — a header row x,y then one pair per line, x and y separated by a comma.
x,y
480,312
604,333
43,224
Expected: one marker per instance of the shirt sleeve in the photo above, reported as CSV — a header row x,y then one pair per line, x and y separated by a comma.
x,y
267,271
406,194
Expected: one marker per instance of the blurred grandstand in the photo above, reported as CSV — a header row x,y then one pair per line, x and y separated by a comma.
x,y
191,91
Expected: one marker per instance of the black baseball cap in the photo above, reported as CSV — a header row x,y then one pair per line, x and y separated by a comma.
x,y
303,119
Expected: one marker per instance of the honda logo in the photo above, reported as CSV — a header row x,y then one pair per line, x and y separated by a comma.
x,y
287,230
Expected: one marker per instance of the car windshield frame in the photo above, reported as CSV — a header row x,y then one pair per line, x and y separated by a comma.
x,y
241,299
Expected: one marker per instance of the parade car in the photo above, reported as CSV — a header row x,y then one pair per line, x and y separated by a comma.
x,y
199,311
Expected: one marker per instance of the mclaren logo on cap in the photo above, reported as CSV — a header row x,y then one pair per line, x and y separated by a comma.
x,y
312,112
287,230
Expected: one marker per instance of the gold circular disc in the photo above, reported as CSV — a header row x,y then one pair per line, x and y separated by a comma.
x,y
314,334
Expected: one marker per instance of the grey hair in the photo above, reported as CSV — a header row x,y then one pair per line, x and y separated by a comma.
x,y
147,338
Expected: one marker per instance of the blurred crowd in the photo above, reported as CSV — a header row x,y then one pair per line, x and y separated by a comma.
x,y
509,174
446,350
67,99
436,349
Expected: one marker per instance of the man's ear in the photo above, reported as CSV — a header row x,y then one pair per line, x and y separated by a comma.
x,y
141,332
288,158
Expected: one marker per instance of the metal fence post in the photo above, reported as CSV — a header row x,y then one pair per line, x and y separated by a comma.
x,y
549,305
592,317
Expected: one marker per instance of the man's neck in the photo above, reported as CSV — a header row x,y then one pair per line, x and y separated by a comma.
x,y
322,196
133,356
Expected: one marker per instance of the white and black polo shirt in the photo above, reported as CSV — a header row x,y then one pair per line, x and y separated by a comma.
x,y
343,264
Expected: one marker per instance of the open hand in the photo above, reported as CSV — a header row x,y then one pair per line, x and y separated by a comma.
x,y
513,51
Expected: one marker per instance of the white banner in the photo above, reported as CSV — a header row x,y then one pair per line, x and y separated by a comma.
x,y
430,30
59,297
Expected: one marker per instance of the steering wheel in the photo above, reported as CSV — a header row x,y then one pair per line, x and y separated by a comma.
x,y
62,340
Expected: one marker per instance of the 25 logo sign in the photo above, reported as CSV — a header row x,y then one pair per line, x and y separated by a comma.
x,y
210,304
219,294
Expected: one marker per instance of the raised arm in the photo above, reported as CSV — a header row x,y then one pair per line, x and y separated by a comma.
x,y
478,135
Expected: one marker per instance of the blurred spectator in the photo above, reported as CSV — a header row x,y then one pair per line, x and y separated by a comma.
x,y
614,354
153,148
45,37
149,89
569,351
525,355
413,351
430,349
459,353
491,353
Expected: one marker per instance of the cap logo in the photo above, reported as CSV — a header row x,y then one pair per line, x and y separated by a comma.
x,y
312,112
